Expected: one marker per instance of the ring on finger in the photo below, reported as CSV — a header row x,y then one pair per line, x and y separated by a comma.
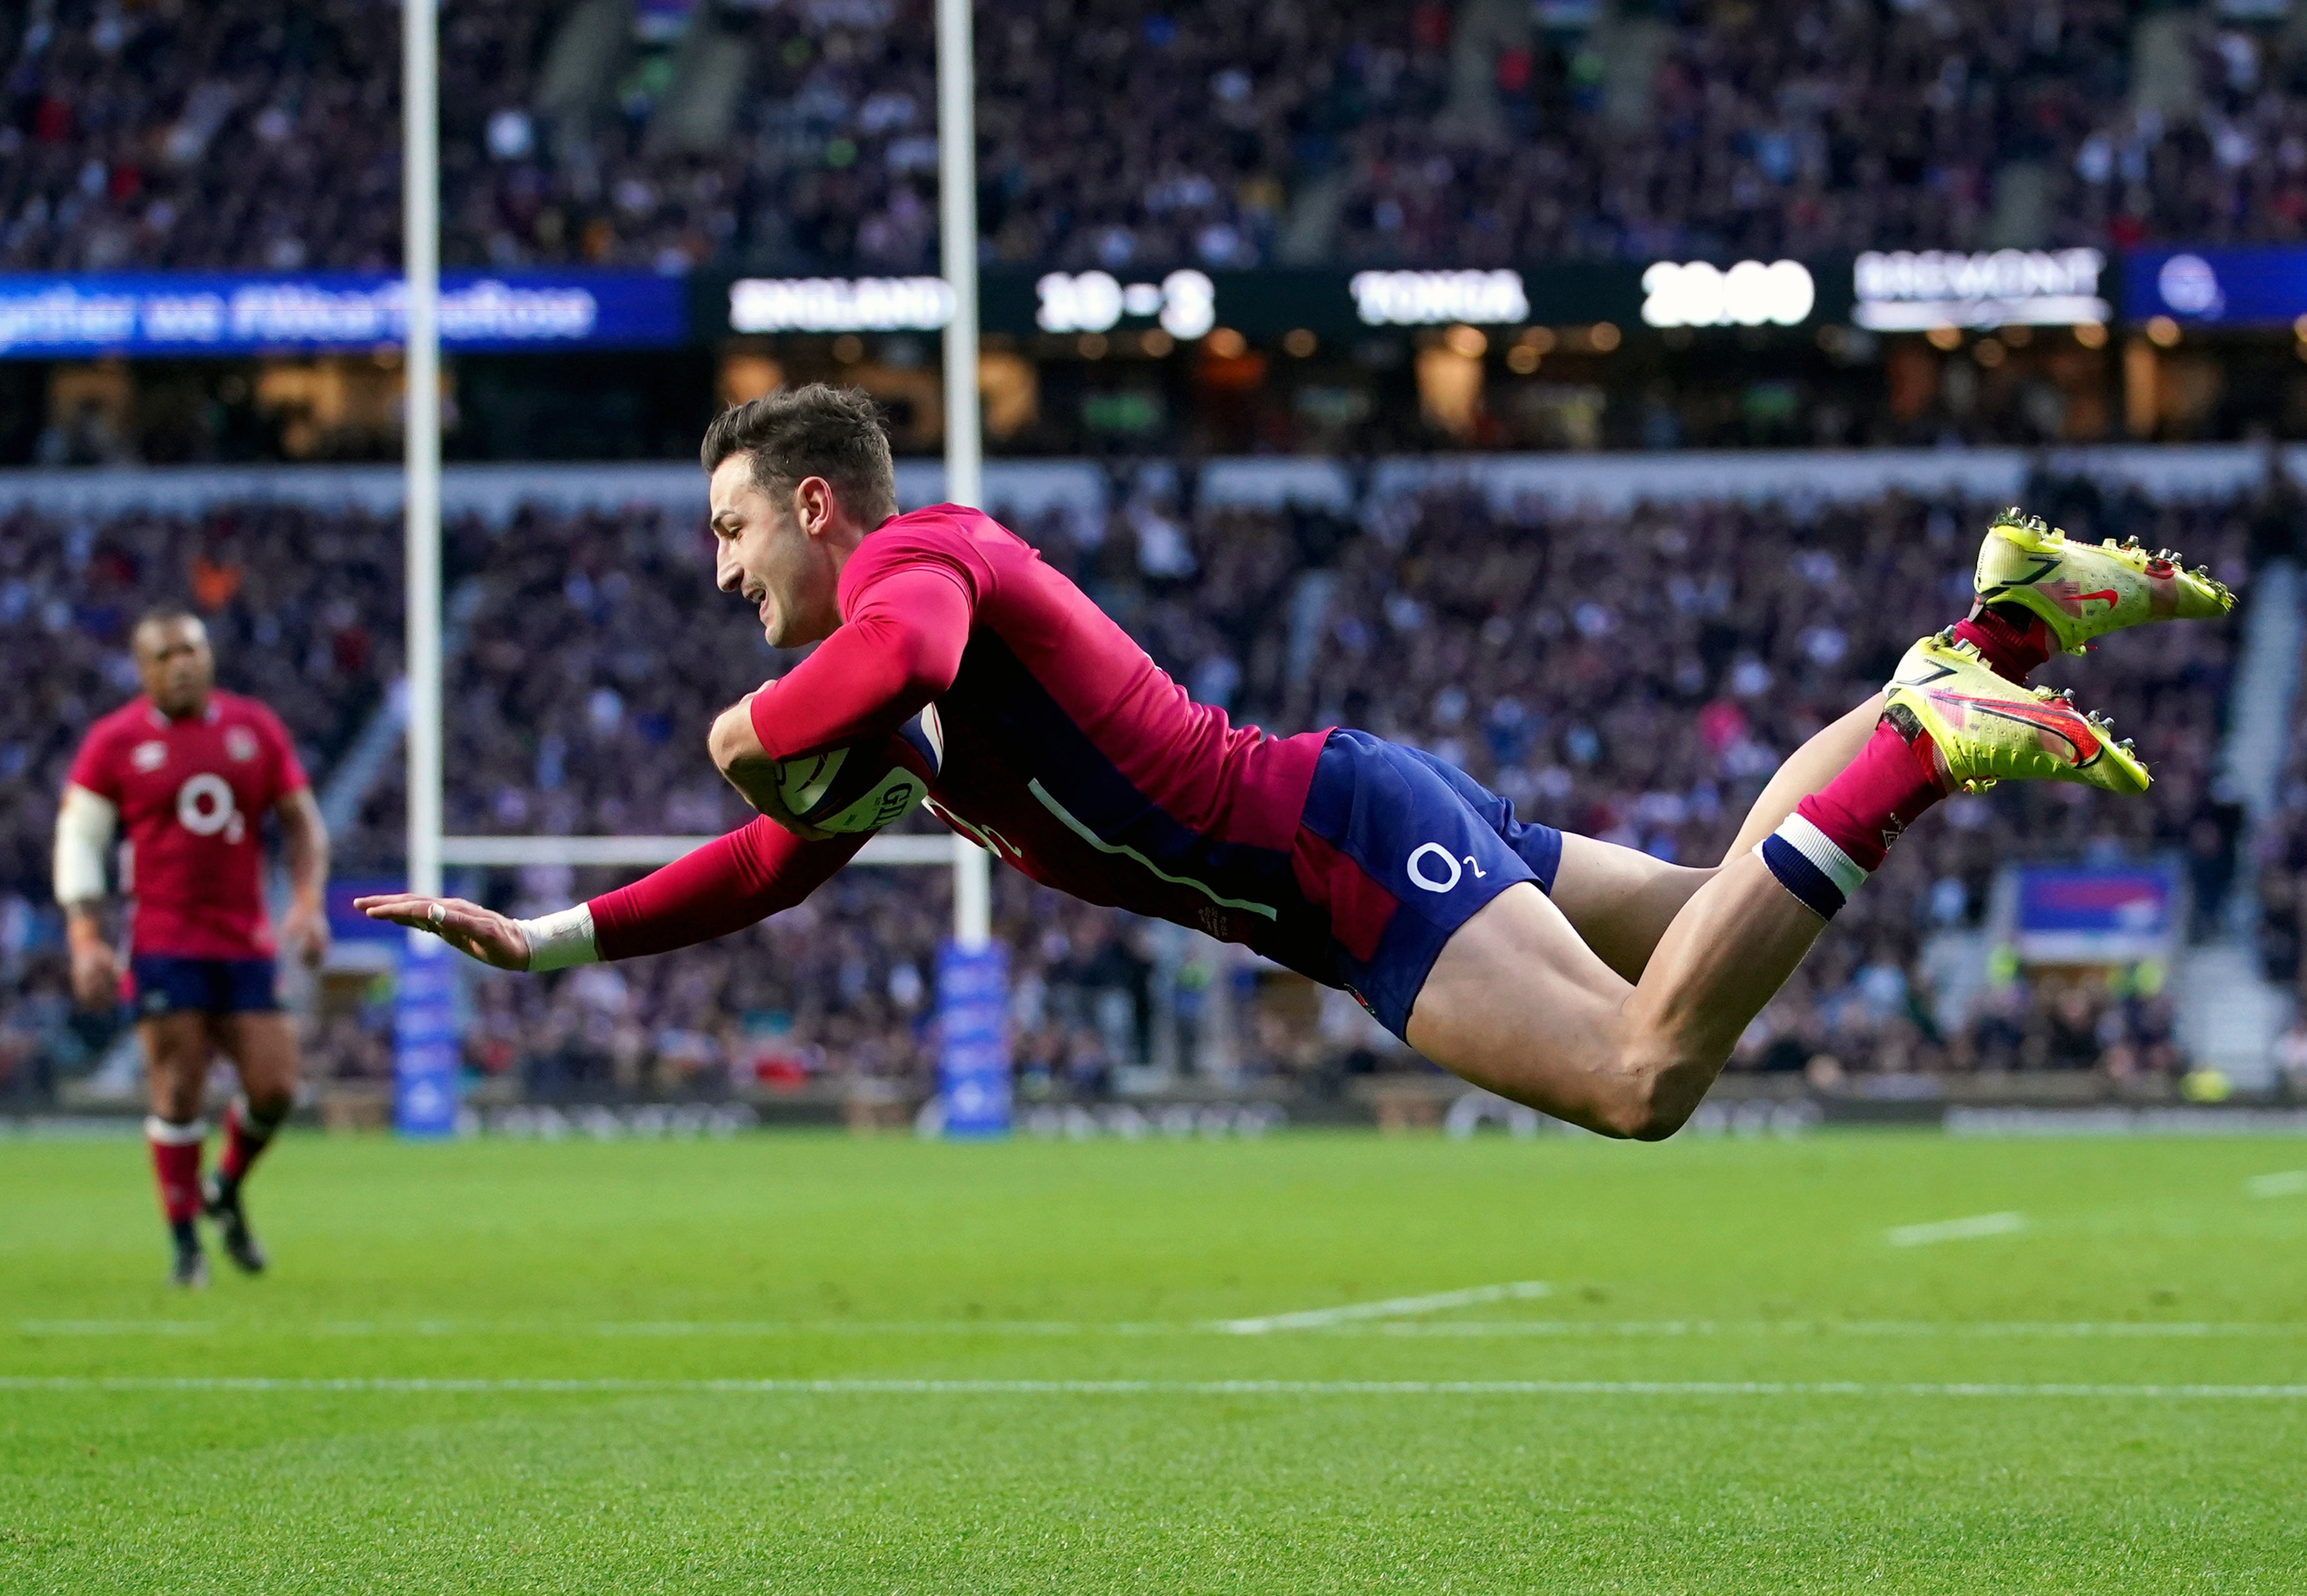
x,y
436,914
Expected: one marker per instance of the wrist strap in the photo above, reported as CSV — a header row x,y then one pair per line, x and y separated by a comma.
x,y
560,940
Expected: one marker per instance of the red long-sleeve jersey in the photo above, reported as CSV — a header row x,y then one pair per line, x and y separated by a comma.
x,y
1069,753
192,794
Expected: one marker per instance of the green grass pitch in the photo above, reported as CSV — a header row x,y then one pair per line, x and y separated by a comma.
x,y
801,1362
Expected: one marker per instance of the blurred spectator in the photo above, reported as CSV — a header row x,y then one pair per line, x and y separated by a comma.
x,y
1500,640
259,134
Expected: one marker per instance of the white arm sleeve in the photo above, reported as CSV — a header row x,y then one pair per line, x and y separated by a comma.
x,y
84,827
560,940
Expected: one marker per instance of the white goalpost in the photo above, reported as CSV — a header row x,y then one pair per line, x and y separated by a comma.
x,y
429,849
965,446
420,178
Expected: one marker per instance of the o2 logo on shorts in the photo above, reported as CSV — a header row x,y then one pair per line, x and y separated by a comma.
x,y
205,807
1428,861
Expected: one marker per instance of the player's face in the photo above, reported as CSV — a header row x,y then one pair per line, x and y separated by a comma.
x,y
764,551
173,658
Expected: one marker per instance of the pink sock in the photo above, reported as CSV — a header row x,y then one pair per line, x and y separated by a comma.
x,y
1841,835
2009,638
176,1166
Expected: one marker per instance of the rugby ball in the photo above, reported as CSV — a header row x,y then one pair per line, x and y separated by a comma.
x,y
862,785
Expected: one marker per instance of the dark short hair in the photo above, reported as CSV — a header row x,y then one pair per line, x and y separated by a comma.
x,y
816,429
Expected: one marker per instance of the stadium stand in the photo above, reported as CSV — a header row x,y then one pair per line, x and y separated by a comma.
x,y
1427,619
1482,632
799,137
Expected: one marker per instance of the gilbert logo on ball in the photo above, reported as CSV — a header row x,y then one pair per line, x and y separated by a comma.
x,y
861,785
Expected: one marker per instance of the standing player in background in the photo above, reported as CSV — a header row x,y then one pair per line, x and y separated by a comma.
x,y
189,772
1585,979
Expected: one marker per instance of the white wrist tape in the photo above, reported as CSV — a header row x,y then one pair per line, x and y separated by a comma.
x,y
560,940
84,827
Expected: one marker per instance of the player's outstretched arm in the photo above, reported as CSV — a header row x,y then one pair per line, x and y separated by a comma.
x,y
491,938
730,883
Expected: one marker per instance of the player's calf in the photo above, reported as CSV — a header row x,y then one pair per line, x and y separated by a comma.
x,y
249,1125
175,1147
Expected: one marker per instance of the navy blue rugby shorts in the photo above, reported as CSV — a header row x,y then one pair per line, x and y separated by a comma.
x,y
1402,851
163,983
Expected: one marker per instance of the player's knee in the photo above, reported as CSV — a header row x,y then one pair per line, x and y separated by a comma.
x,y
1655,1093
177,1101
271,1104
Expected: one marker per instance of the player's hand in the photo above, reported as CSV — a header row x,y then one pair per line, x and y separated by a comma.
x,y
306,929
95,975
483,934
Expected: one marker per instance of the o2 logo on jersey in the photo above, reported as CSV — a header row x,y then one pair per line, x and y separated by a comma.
x,y
205,807
1429,861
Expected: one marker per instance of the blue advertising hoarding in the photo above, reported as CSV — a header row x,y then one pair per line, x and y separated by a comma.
x,y
194,312
2241,287
2087,915
973,989
424,1041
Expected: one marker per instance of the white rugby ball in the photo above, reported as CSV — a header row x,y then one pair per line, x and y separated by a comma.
x,y
862,785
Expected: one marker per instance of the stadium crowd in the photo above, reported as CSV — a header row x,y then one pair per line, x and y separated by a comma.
x,y
1429,618
260,133
1635,676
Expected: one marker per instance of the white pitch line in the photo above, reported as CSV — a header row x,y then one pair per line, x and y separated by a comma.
x,y
998,1388
2007,1330
2287,1183
867,1330
1956,1230
641,1328
1317,1318
872,1328
117,1327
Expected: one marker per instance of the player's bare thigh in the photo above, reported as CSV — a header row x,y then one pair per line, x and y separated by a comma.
x,y
177,1048
262,1046
1519,1003
1620,900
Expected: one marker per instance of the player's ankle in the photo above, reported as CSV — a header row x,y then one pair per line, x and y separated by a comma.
x,y
1841,835
2009,637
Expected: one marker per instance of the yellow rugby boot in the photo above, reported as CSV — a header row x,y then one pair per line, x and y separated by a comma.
x,y
2084,590
1988,730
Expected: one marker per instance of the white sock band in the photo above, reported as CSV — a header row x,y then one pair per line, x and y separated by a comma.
x,y
170,1134
1819,849
560,940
